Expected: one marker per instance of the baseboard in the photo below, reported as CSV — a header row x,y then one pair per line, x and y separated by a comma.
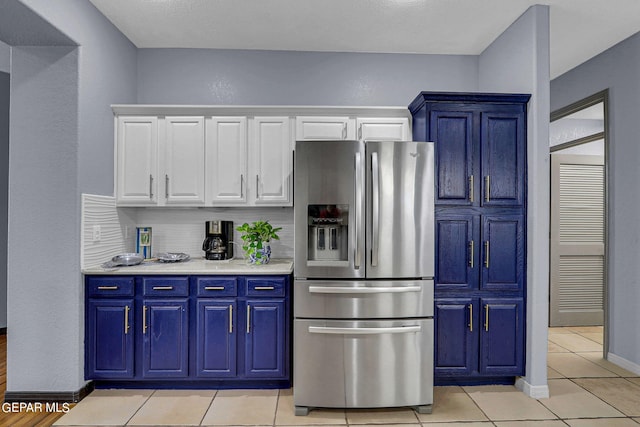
x,y
49,396
534,391
624,363
3,331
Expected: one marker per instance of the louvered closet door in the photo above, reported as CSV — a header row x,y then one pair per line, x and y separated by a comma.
x,y
577,240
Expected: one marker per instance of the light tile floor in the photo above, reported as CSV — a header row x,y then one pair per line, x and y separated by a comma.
x,y
585,391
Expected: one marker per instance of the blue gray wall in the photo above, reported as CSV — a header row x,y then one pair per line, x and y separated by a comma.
x,y
61,138
617,69
518,61
5,57
201,76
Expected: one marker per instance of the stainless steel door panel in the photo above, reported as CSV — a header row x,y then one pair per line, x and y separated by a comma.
x,y
383,299
329,173
400,209
334,367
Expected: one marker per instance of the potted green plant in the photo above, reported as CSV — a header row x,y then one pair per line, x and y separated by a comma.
x,y
256,238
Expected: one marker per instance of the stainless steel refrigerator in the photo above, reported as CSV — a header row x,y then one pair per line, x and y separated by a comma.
x,y
364,267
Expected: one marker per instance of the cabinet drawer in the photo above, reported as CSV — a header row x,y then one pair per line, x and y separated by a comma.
x,y
165,286
106,286
265,286
217,287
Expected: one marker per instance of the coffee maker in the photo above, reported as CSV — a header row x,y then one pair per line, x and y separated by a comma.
x,y
217,243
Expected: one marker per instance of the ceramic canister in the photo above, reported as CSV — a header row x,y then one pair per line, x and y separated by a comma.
x,y
143,241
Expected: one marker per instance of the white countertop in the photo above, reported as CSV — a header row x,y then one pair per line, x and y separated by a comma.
x,y
199,266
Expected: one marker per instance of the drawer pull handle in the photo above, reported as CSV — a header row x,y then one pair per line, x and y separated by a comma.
x,y
214,288
487,188
230,319
163,288
471,188
470,318
264,288
486,317
108,288
248,319
486,254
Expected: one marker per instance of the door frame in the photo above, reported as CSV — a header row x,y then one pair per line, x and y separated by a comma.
x,y
599,97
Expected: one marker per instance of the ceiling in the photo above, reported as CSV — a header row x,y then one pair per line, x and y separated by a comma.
x,y
580,29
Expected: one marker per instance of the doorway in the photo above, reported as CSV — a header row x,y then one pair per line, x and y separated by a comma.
x,y
578,241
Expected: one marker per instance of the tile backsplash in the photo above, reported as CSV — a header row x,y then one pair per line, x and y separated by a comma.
x,y
173,229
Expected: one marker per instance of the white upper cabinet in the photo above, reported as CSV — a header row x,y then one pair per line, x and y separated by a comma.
x,y
136,161
226,157
323,127
184,163
271,159
383,129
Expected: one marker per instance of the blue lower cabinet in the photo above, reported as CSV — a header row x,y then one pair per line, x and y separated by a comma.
x,y
109,339
502,337
265,341
188,331
165,335
478,338
216,338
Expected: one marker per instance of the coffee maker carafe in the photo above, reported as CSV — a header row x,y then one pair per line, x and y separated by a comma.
x,y
217,243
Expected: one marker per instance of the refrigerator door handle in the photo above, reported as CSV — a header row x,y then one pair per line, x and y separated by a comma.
x,y
358,213
375,202
365,331
362,290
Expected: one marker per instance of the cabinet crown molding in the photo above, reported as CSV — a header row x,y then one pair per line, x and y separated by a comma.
x,y
257,110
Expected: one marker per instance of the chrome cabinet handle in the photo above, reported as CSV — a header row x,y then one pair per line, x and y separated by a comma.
x,y
471,255
231,319
151,186
166,186
241,186
248,319
471,188
257,186
214,288
375,202
264,288
486,254
470,318
144,319
107,288
486,317
487,188
126,319
358,182
163,288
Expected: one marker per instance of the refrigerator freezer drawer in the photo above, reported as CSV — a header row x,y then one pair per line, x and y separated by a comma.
x,y
363,364
361,299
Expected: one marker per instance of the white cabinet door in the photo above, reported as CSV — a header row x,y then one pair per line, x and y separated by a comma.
x,y
271,160
226,154
322,127
383,129
184,161
136,161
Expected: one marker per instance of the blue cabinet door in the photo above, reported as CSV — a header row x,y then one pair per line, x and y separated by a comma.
x,y
502,336
109,339
216,338
457,251
503,153
265,339
452,132
456,329
502,252
165,338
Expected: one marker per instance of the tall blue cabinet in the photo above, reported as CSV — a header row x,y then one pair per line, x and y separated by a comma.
x,y
481,186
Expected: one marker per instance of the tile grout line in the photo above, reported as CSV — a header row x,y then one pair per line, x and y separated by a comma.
x,y
139,407
208,407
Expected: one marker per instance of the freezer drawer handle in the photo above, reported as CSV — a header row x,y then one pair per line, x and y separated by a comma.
x,y
369,290
364,331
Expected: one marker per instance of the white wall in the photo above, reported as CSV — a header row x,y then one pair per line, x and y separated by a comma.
x,y
617,69
518,61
